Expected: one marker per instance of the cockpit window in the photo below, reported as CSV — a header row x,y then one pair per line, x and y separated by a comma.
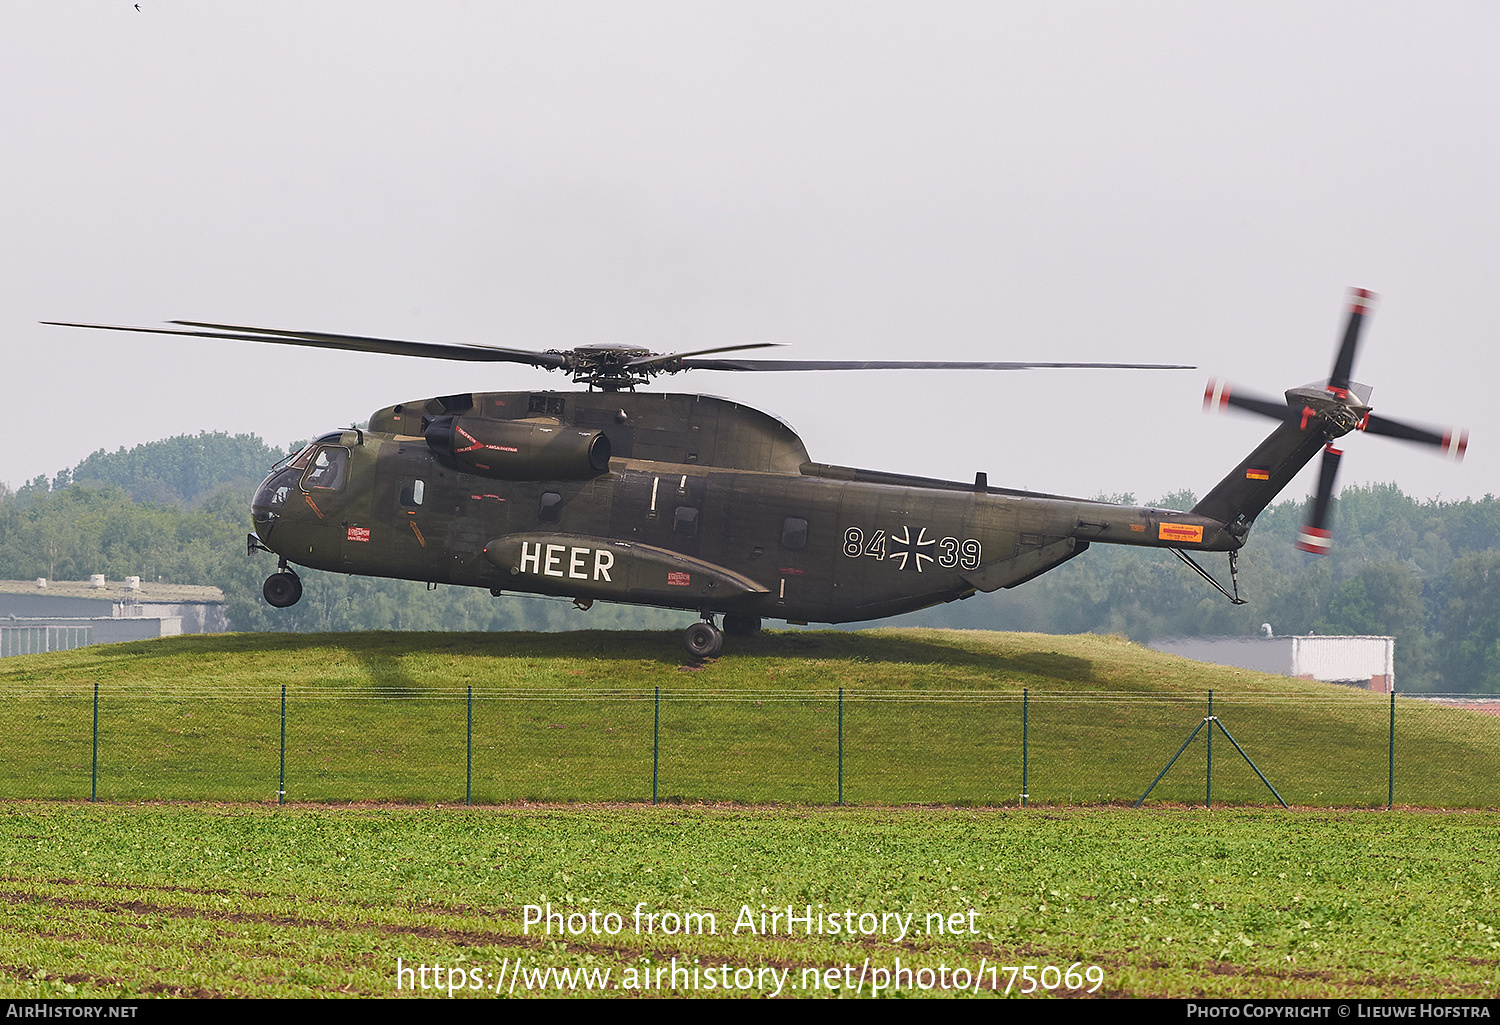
x,y
326,472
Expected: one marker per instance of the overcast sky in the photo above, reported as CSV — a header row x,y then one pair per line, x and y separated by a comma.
x,y
1194,183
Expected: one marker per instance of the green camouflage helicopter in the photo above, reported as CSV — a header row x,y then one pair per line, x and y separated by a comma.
x,y
693,502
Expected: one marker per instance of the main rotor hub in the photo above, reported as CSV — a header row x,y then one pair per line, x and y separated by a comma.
x,y
607,366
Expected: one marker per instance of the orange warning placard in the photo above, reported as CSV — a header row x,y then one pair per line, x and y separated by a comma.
x,y
1180,532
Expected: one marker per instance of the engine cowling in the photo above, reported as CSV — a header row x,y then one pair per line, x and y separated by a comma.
x,y
518,449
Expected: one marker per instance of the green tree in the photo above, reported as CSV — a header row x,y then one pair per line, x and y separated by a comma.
x,y
1469,647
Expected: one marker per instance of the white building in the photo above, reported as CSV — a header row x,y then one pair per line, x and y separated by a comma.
x,y
1361,661
57,615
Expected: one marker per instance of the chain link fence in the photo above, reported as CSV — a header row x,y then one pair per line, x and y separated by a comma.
x,y
311,744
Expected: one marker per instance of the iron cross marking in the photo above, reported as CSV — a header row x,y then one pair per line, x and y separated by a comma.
x,y
905,549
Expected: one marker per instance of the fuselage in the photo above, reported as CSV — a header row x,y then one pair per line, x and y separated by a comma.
x,y
703,504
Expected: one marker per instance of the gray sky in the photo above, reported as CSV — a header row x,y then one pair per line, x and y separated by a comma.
x,y
1188,182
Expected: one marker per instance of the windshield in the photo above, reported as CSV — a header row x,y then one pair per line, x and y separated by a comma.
x,y
326,472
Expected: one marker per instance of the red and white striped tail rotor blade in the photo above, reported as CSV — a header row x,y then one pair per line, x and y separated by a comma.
x,y
1314,536
1452,442
1216,395
1220,395
1361,305
1455,444
1316,540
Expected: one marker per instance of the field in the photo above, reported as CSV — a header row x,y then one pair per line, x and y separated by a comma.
x,y
169,900
137,895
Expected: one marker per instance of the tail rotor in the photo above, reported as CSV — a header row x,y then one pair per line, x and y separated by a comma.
x,y
1330,410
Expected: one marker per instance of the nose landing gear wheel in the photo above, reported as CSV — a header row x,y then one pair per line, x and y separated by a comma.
x,y
282,590
702,640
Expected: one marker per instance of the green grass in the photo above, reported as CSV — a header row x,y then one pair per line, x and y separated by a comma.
x,y
126,901
928,717
129,899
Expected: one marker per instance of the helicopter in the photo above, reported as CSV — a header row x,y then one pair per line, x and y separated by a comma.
x,y
693,502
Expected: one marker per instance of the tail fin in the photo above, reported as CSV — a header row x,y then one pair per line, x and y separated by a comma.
x,y
1262,475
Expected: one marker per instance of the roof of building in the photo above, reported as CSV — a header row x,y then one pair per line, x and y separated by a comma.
x,y
115,590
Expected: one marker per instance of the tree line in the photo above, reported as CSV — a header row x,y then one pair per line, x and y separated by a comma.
x,y
1424,571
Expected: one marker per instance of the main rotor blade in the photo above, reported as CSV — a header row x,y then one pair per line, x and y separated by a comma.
x,y
883,364
1314,536
1220,395
643,361
1453,441
356,343
1361,305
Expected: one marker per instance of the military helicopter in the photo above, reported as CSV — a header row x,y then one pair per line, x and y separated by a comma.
x,y
688,501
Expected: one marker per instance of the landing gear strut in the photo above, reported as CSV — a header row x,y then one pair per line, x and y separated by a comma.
x,y
282,590
1234,574
703,640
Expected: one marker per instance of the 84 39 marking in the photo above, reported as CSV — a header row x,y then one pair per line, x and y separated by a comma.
x,y
913,553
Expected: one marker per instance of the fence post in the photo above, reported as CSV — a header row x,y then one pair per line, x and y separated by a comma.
x,y
94,777
1208,777
281,786
1390,792
469,754
841,746
655,740
1025,726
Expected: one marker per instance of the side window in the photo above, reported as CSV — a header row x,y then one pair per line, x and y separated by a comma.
x,y
794,533
685,521
411,493
550,508
326,472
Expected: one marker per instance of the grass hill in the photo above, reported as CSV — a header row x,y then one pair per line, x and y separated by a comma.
x,y
926,716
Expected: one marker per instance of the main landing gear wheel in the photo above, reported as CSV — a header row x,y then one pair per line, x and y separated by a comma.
x,y
703,640
742,626
282,590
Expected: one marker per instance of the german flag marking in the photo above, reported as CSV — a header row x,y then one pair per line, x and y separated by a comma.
x,y
1180,532
1257,473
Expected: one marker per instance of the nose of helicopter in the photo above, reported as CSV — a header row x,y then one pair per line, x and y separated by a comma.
x,y
270,498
